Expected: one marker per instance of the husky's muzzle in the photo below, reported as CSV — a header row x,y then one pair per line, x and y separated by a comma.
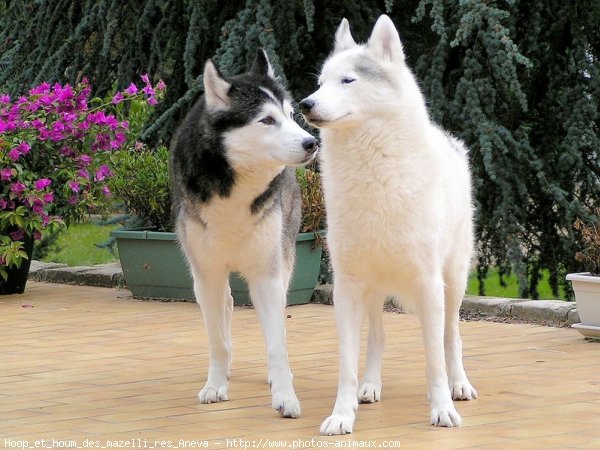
x,y
306,107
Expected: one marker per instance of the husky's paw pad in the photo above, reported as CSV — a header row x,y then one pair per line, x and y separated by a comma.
x,y
287,405
369,392
337,424
445,417
213,394
462,390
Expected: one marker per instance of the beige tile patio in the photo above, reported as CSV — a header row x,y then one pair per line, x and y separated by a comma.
x,y
81,362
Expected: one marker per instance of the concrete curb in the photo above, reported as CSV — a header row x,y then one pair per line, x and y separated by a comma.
x,y
102,275
545,312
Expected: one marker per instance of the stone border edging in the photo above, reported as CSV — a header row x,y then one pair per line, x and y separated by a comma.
x,y
544,312
102,275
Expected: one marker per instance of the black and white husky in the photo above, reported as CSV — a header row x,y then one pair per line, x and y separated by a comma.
x,y
238,209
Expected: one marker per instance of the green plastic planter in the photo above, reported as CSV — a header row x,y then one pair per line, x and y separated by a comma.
x,y
154,266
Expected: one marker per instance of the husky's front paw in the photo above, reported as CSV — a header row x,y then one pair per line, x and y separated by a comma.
x,y
213,394
369,392
462,390
337,424
445,416
287,405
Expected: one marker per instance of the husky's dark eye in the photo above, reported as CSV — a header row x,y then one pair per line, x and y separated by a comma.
x,y
348,80
267,120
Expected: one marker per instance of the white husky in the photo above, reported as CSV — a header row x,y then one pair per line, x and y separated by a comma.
x,y
398,196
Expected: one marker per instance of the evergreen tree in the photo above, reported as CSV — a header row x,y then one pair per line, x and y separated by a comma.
x,y
518,81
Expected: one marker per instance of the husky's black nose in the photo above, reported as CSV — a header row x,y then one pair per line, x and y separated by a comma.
x,y
310,145
306,105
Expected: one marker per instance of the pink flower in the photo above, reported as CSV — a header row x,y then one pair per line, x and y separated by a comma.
x,y
3,203
102,142
119,140
74,185
57,132
17,235
48,197
85,160
7,126
37,235
82,173
17,187
38,206
152,101
69,117
5,174
4,98
100,118
66,151
160,86
132,89
47,99
102,173
63,94
41,89
14,154
97,117
106,191
112,122
34,106
118,98
42,183
56,136
145,78
149,90
24,147
44,134
82,103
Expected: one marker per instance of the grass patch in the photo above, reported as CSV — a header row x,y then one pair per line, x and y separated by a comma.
x,y
76,245
493,287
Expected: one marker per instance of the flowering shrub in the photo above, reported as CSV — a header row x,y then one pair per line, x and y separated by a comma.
x,y
55,147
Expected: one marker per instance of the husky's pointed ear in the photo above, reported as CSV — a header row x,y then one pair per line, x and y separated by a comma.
x,y
262,65
385,41
216,88
343,37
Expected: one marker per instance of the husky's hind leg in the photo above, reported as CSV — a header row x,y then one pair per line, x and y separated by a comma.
x,y
428,290
269,299
214,297
456,281
370,388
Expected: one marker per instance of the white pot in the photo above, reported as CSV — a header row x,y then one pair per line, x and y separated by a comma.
x,y
587,297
